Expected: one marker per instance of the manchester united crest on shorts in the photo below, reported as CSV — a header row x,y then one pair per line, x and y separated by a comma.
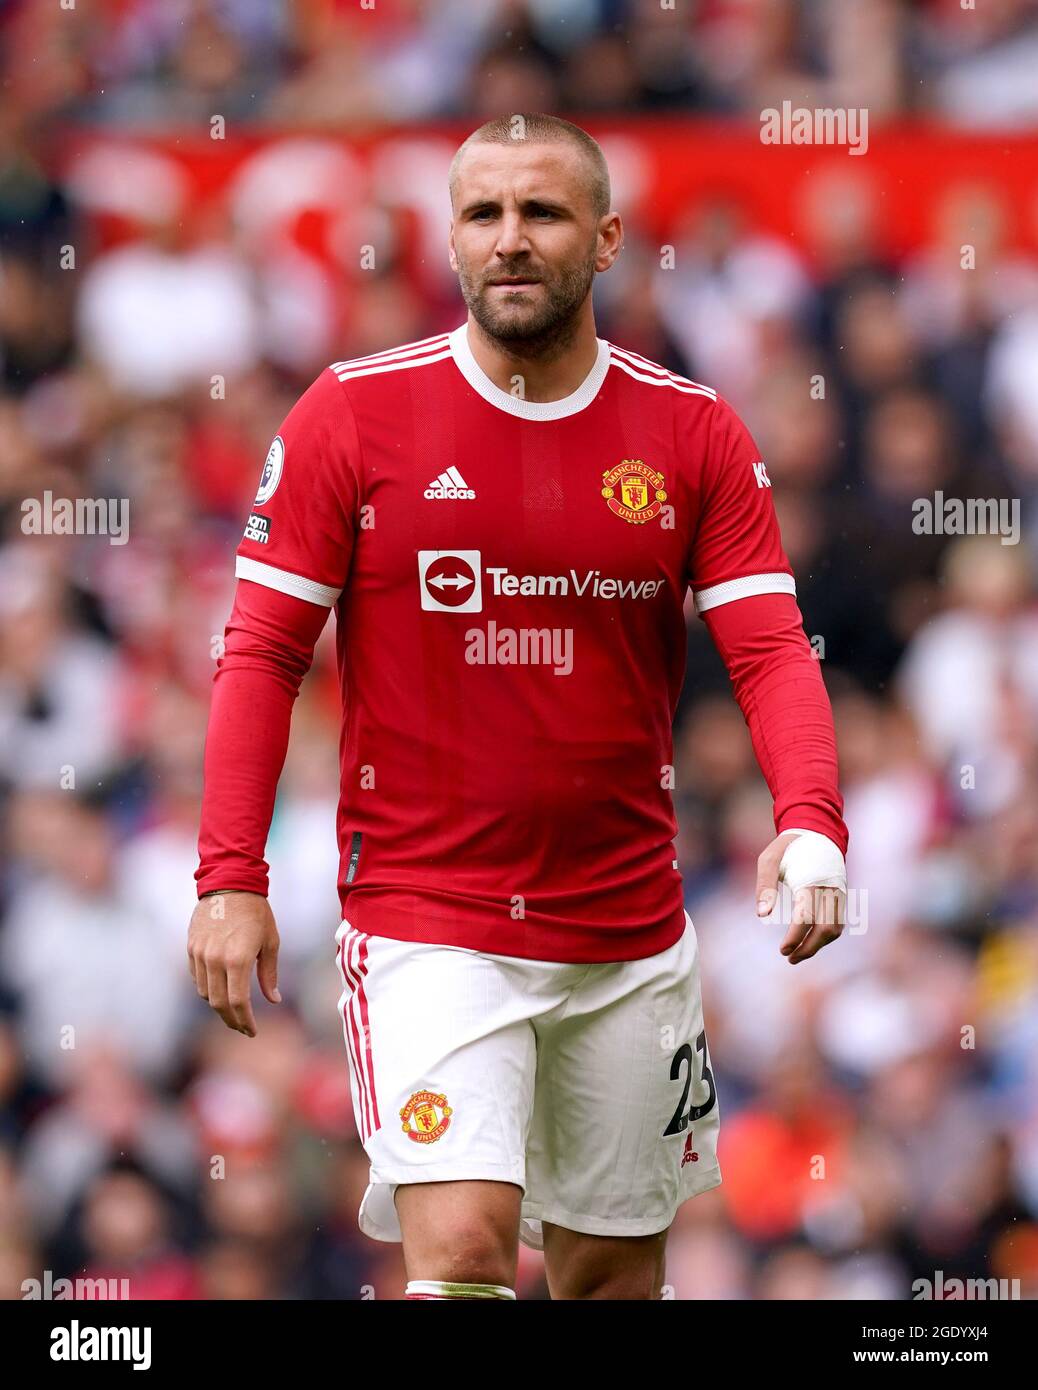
x,y
633,491
426,1116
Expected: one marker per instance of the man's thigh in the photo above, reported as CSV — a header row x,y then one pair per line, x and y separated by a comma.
x,y
625,1119
442,1064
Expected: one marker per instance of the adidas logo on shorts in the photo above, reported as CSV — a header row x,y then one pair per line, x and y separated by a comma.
x,y
449,486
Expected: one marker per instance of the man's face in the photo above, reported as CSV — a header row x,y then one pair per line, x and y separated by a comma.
x,y
525,238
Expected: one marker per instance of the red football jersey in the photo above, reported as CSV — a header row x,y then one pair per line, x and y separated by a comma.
x,y
508,579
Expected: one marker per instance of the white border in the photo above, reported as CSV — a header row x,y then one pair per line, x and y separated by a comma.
x,y
285,582
515,405
744,588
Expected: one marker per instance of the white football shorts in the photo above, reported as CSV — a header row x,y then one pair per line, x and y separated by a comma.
x,y
588,1086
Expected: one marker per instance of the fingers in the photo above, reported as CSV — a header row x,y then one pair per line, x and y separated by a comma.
x,y
802,918
198,974
767,875
807,859
818,919
217,975
816,938
226,939
224,985
239,1002
228,993
196,949
267,972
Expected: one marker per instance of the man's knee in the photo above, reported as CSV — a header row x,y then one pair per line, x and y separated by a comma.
x,y
607,1267
476,1252
460,1233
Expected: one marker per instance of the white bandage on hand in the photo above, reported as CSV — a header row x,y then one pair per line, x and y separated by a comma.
x,y
812,860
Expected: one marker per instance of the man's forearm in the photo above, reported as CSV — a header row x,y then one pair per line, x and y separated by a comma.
x,y
269,643
779,687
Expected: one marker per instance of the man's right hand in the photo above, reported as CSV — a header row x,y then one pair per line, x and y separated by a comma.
x,y
228,933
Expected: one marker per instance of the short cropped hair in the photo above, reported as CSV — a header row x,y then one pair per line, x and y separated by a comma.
x,y
536,128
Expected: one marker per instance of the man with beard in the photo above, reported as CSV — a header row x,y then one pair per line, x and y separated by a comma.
x,y
506,519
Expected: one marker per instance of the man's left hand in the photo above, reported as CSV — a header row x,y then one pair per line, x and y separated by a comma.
x,y
813,868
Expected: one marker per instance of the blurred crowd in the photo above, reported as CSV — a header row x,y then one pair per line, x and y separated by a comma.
x,y
879,1104
338,63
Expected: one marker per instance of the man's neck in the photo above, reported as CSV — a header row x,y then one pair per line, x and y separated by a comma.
x,y
536,372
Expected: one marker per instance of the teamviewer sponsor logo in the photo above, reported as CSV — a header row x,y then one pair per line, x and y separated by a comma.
x,y
591,583
451,581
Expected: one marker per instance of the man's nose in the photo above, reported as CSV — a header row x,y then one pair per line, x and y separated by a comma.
x,y
511,238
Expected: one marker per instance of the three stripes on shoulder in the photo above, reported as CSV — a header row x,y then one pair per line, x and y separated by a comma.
x,y
429,350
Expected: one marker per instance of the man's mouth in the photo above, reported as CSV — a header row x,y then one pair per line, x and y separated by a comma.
x,y
515,282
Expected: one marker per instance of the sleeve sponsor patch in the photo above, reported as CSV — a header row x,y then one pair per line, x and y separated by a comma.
x,y
257,528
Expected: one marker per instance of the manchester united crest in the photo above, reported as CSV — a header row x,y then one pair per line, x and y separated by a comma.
x,y
634,491
425,1117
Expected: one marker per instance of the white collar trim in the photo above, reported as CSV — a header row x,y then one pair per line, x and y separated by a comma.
x,y
516,405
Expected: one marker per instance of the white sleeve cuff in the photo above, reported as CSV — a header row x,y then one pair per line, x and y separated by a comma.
x,y
285,582
732,589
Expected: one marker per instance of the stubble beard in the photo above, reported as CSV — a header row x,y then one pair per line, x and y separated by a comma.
x,y
543,332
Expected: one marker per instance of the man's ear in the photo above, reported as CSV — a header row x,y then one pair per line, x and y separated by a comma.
x,y
610,241
451,254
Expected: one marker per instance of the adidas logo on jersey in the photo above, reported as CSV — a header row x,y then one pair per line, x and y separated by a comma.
x,y
449,486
